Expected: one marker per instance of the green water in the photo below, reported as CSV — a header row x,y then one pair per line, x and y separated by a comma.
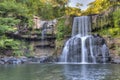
x,y
60,72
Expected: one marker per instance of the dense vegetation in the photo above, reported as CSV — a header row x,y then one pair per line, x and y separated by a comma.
x,y
108,20
18,14
15,15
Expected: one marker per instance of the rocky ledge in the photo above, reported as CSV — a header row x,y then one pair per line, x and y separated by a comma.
x,y
42,59
27,60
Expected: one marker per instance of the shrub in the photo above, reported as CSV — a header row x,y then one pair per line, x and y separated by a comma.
x,y
62,29
116,17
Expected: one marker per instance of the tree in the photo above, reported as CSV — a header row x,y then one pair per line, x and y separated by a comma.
x,y
98,6
46,9
73,11
11,15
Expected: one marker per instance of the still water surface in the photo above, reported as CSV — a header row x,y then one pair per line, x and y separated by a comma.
x,y
60,72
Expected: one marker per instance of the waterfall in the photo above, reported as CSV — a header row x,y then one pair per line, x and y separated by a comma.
x,y
44,29
83,47
81,26
91,51
84,50
43,38
103,49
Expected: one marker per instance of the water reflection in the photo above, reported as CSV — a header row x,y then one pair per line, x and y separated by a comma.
x,y
85,72
60,72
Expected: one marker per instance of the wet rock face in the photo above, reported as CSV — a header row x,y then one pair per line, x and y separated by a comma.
x,y
101,48
100,60
98,40
74,50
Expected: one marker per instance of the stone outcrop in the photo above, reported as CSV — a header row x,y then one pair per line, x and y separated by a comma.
x,y
114,48
27,60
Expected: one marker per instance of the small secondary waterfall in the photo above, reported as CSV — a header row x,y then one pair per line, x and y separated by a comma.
x,y
83,47
44,29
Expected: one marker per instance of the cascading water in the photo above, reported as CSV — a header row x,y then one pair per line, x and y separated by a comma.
x,y
43,38
83,47
44,29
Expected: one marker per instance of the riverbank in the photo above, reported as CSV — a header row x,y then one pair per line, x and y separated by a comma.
x,y
27,60
42,59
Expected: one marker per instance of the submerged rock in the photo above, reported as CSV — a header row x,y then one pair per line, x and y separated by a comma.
x,y
24,59
14,61
10,60
1,62
116,61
